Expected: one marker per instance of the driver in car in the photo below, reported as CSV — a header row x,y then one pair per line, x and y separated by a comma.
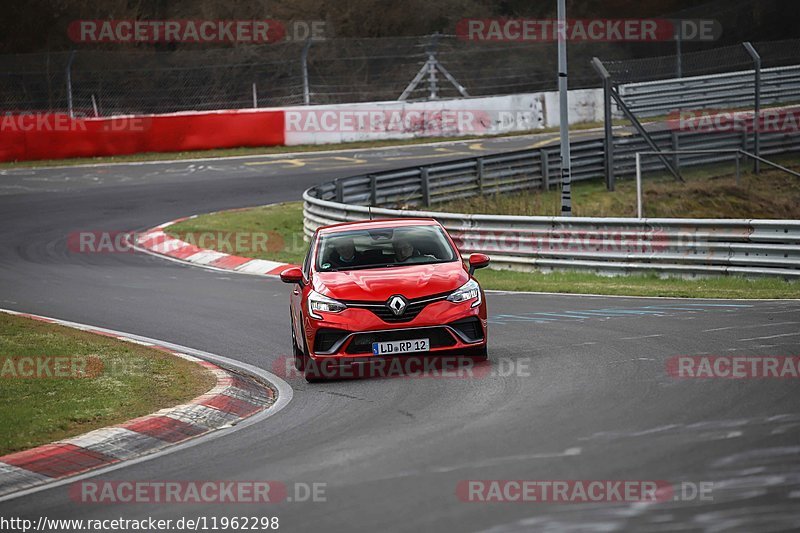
x,y
344,253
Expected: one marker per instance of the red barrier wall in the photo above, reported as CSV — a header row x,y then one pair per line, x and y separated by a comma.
x,y
56,136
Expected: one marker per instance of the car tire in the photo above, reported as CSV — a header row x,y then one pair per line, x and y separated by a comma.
x,y
302,362
299,355
311,372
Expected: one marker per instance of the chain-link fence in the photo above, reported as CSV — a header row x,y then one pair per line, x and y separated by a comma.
x,y
335,71
714,61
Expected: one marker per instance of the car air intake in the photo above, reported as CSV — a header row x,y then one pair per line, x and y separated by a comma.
x,y
327,338
470,328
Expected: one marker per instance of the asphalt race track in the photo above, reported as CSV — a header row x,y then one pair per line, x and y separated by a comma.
x,y
589,397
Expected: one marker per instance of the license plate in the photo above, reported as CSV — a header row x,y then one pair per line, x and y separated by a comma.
x,y
396,347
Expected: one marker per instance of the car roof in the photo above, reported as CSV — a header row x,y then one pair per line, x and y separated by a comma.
x,y
374,224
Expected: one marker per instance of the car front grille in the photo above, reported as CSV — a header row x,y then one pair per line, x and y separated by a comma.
x,y
362,342
411,311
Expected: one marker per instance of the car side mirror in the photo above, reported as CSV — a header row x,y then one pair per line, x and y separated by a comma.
x,y
292,275
477,261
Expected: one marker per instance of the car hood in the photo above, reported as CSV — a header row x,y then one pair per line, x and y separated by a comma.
x,y
378,284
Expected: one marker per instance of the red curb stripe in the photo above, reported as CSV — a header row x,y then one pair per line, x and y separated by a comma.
x,y
57,460
252,388
164,428
228,404
230,262
184,251
40,319
277,270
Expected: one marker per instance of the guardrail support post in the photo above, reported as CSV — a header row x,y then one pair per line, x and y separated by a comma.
x,y
545,162
757,111
425,186
479,165
373,190
339,191
639,185
676,159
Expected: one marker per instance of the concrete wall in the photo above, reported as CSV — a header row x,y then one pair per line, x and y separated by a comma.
x,y
495,115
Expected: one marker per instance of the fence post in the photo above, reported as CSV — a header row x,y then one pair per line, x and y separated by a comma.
x,y
480,175
757,112
304,68
425,186
255,96
69,83
373,190
738,169
608,123
544,158
339,190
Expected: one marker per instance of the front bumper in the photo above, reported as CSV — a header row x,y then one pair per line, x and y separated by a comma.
x,y
450,327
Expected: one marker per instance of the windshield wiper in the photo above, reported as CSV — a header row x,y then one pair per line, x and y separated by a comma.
x,y
379,265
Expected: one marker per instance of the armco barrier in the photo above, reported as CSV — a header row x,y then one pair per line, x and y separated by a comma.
x,y
686,247
526,169
694,247
57,136
779,85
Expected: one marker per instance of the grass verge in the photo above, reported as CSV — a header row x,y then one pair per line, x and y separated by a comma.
x,y
126,381
282,225
639,285
710,192
286,220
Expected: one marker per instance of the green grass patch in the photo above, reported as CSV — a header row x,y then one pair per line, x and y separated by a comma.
x,y
280,224
710,192
287,220
639,285
132,381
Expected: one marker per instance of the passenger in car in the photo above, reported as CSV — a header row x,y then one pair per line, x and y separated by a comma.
x,y
404,252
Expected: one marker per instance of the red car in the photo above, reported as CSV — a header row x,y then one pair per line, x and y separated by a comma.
x,y
383,289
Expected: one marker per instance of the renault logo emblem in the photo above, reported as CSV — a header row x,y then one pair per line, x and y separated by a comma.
x,y
397,304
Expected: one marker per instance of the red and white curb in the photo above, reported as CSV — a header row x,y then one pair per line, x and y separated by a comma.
x,y
157,242
234,398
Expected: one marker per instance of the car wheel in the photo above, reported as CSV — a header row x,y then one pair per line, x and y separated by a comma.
x,y
311,372
299,355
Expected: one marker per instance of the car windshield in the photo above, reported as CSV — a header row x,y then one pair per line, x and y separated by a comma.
x,y
383,248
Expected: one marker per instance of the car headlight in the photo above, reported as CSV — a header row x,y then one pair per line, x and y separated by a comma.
x,y
468,291
319,302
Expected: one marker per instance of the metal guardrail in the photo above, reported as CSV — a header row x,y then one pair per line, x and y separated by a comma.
x,y
608,245
728,90
686,247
